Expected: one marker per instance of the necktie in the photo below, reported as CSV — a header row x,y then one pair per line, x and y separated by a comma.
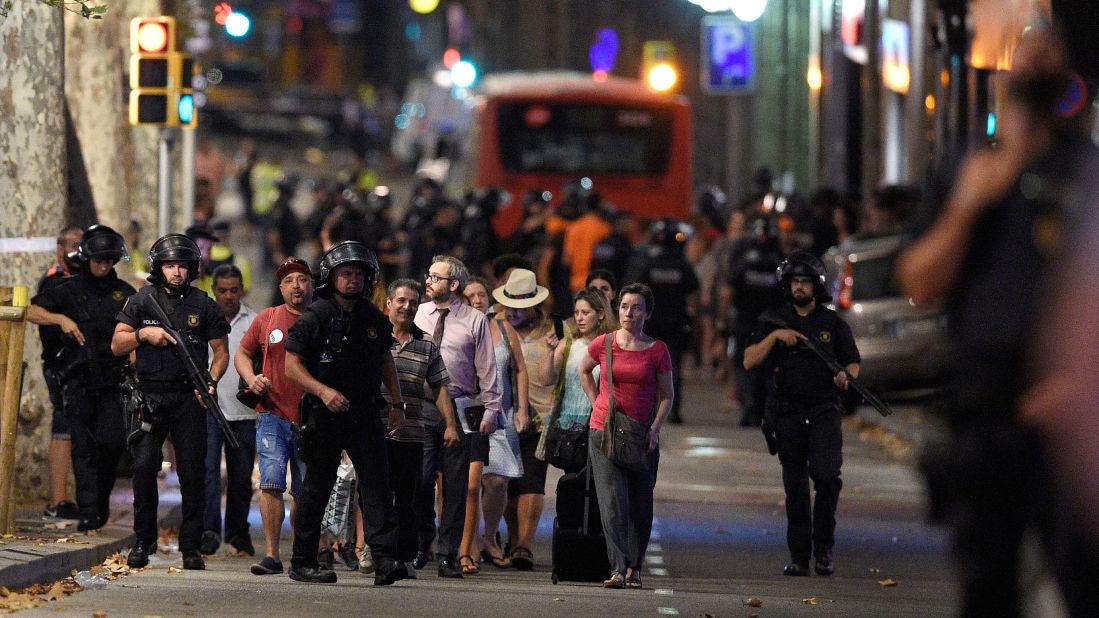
x,y
438,334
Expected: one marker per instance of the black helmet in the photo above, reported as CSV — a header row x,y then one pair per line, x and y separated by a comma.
x,y
347,252
173,248
100,241
670,233
803,264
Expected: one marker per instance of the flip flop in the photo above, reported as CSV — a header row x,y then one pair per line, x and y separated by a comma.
x,y
468,569
522,559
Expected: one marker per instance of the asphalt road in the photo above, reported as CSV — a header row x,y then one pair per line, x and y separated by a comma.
x,y
719,539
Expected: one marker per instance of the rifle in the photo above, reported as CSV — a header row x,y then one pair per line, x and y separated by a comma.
x,y
832,363
199,376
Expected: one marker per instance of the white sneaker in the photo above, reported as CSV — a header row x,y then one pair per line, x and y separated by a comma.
x,y
366,562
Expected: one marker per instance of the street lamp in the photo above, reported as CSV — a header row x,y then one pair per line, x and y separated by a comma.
x,y
748,10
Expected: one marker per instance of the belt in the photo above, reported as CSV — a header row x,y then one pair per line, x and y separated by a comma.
x,y
153,386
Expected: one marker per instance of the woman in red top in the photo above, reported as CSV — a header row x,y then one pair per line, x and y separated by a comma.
x,y
642,390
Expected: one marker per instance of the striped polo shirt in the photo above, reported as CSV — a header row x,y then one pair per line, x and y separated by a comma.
x,y
418,365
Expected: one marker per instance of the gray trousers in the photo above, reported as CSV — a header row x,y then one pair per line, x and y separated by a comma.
x,y
625,505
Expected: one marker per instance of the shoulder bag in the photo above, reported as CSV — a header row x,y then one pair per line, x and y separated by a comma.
x,y
566,449
625,441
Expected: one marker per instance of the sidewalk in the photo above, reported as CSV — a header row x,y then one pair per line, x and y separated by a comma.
x,y
45,551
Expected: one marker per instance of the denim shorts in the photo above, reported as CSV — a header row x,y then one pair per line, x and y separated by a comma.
x,y
277,448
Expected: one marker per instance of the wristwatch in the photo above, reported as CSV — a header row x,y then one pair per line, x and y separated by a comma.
x,y
400,405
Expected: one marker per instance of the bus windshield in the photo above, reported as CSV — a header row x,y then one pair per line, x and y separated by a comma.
x,y
588,138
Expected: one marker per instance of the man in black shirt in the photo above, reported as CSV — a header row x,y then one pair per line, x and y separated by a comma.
x,y
163,380
83,308
803,406
338,352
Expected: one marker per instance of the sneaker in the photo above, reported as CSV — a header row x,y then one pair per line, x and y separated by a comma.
x,y
62,510
210,542
242,545
267,566
366,561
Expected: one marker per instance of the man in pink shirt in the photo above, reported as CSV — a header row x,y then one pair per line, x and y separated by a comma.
x,y
276,443
465,346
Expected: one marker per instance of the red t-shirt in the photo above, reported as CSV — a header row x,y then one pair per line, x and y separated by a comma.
x,y
268,331
634,379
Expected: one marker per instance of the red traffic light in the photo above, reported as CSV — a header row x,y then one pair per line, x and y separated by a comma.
x,y
222,12
152,35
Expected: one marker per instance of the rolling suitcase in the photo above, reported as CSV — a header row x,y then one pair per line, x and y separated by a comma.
x,y
579,547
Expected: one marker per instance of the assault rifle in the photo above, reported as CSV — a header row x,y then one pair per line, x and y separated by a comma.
x,y
832,363
198,375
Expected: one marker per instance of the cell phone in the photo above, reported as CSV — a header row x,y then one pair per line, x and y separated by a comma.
x,y
558,326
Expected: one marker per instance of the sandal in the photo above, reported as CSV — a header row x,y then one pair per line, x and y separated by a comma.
x,y
501,561
522,559
633,580
616,580
469,566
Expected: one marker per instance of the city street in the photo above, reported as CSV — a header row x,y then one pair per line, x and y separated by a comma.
x,y
719,539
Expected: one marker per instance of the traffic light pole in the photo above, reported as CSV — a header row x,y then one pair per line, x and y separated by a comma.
x,y
164,182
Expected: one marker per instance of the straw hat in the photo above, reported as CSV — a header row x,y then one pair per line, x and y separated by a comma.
x,y
520,291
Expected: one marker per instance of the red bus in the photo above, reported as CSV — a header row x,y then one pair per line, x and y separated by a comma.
x,y
543,130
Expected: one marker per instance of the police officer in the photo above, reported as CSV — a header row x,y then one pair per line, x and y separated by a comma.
x,y
84,307
174,405
803,406
338,352
665,269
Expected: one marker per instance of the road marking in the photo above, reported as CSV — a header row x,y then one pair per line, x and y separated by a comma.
x,y
665,592
708,451
667,611
658,571
654,559
655,548
705,441
654,535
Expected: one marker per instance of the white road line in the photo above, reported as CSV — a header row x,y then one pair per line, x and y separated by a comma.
x,y
654,559
658,572
667,611
655,548
664,592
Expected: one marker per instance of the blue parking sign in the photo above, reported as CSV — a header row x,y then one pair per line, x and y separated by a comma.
x,y
727,60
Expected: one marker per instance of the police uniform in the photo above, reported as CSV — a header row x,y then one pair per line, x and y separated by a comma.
x,y
803,407
666,270
345,350
175,409
91,376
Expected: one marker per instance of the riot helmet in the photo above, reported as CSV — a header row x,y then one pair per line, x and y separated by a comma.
x,y
100,241
803,264
346,252
173,248
670,233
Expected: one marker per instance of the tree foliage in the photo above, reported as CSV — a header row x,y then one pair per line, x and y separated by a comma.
x,y
84,8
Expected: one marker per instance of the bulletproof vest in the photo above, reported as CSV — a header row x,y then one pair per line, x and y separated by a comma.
x,y
350,356
187,314
797,374
93,305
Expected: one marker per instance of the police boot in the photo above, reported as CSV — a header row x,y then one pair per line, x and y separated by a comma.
x,y
192,560
796,569
139,555
824,565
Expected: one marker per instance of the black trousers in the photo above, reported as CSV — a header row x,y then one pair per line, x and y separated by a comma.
x,y
360,433
454,464
810,446
406,460
180,415
98,441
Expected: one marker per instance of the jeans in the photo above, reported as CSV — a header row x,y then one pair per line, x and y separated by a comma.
x,y
180,415
454,463
810,446
359,433
277,448
405,467
625,505
238,471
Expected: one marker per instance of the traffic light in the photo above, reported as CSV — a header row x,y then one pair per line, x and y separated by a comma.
x,y
160,77
658,65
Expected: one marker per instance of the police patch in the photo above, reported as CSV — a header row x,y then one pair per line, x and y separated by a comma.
x,y
371,334
192,320
116,295
825,336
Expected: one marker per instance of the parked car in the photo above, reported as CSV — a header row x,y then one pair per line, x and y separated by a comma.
x,y
903,346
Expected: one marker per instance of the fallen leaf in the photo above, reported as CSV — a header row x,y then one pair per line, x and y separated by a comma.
x,y
753,602
61,525
887,583
4,591
811,601
559,600
99,614
57,590
174,570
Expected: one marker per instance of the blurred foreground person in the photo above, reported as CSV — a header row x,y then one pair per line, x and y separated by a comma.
x,y
990,252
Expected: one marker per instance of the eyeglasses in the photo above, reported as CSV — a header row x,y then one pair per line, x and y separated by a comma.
x,y
432,277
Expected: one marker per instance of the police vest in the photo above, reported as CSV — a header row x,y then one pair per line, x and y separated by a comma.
x,y
797,374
